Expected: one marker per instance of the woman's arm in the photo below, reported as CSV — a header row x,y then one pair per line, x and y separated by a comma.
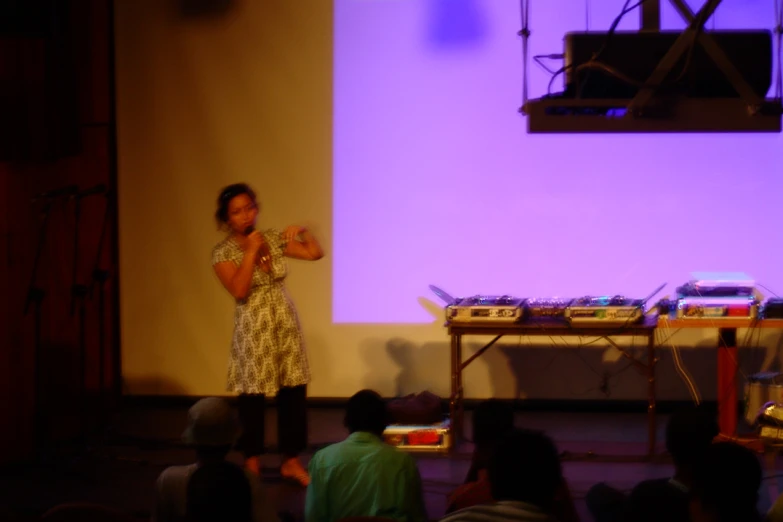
x,y
238,280
301,244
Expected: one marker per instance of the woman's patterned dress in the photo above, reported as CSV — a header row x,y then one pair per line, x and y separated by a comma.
x,y
267,351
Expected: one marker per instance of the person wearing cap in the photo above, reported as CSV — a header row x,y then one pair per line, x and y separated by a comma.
x,y
213,429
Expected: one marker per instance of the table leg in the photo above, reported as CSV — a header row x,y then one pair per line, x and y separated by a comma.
x,y
453,378
651,406
460,413
727,383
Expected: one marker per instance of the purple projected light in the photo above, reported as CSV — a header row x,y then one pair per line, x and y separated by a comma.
x,y
437,182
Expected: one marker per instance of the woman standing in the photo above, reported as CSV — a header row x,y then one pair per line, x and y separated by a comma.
x,y
267,352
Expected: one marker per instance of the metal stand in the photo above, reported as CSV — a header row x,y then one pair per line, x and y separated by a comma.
x,y
78,301
99,277
79,295
692,36
41,437
650,16
35,297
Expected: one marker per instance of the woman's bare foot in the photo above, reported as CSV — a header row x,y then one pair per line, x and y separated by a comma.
x,y
292,470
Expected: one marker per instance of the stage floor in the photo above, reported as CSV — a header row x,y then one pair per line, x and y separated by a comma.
x,y
596,447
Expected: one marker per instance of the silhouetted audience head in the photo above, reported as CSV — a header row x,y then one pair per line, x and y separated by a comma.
x,y
689,433
526,467
492,420
366,411
219,492
213,428
726,485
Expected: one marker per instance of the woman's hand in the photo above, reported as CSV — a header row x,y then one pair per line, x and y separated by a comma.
x,y
291,233
300,244
254,242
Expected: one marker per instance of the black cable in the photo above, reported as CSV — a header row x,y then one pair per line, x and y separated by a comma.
x,y
767,289
779,32
593,62
612,29
540,57
609,70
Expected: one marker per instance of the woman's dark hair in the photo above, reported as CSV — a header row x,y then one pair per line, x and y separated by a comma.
x,y
225,197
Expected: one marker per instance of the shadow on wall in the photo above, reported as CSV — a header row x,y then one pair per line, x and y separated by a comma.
x,y
416,368
579,373
455,23
559,371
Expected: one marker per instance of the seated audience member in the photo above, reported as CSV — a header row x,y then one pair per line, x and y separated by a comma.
x,y
689,434
362,475
492,421
219,492
524,476
725,485
213,428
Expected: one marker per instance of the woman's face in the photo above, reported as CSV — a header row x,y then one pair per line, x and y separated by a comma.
x,y
242,213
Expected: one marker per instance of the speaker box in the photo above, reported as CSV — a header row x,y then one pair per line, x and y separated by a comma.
x,y
637,54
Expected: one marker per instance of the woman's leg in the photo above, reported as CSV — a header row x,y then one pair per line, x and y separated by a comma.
x,y
292,420
292,431
251,443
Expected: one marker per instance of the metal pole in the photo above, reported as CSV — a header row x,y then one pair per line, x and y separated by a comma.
x,y
650,14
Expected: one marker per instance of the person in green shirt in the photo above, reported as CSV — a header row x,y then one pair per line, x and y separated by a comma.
x,y
362,475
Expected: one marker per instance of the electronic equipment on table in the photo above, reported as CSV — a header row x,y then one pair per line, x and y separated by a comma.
x,y
717,307
483,308
424,437
608,311
706,295
547,307
666,306
773,308
711,295
605,311
717,285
